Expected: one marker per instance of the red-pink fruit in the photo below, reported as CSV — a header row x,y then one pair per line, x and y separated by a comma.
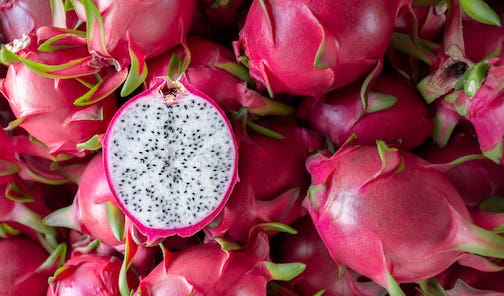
x,y
425,21
485,109
18,17
213,71
222,13
45,108
93,211
218,269
394,113
475,180
21,262
126,23
273,178
307,247
22,208
88,274
488,281
480,39
392,216
171,160
331,43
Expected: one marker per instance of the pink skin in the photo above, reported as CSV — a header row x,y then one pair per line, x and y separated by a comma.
x,y
430,21
207,269
203,73
151,235
475,180
340,114
18,17
283,59
354,189
88,214
21,258
126,21
486,109
47,105
220,13
272,181
89,274
480,39
307,247
487,281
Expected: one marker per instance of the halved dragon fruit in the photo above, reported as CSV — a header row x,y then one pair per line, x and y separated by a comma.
x,y
392,216
171,160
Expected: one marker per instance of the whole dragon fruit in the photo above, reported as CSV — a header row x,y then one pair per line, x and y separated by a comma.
x,y
307,247
116,32
171,160
212,70
219,268
394,113
127,21
93,211
322,50
361,202
272,183
23,272
89,274
484,110
18,17
45,107
475,180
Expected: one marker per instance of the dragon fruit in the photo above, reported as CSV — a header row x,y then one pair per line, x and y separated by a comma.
x,y
222,13
460,70
488,281
394,113
306,247
45,108
475,180
22,209
171,160
322,50
126,22
219,268
89,274
360,202
18,17
23,270
213,71
272,183
117,36
93,211
485,109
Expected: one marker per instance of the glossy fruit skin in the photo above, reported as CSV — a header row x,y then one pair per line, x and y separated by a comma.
x,y
361,205
322,50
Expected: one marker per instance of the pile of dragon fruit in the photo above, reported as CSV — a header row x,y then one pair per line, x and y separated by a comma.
x,y
262,147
